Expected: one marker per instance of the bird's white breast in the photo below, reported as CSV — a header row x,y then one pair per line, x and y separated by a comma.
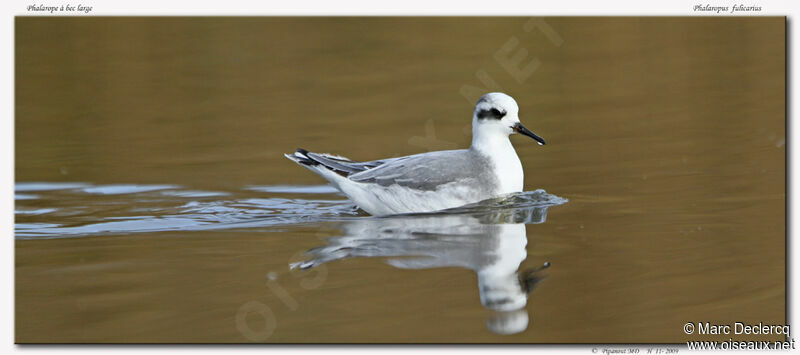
x,y
509,173
507,167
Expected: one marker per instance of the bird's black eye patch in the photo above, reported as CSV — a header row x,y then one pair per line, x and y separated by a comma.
x,y
492,113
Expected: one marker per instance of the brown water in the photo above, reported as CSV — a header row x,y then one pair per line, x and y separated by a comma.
x,y
153,203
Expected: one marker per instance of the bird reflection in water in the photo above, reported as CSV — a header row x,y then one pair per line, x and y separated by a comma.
x,y
488,237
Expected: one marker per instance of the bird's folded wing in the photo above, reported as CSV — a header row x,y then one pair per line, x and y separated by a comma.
x,y
425,172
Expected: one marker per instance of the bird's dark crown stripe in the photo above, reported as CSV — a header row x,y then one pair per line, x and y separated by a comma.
x,y
491,113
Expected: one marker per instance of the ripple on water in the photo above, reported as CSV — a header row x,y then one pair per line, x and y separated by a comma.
x,y
132,208
91,210
47,186
37,211
193,193
121,189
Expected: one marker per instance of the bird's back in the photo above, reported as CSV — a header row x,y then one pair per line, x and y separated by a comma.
x,y
431,171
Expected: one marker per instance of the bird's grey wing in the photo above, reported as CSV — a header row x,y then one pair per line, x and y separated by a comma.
x,y
425,171
343,164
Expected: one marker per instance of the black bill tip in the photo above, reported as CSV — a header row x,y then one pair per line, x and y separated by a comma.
x,y
519,128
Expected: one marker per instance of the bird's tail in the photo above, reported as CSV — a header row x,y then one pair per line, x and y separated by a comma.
x,y
301,157
322,162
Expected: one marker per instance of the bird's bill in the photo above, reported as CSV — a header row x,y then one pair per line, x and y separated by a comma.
x,y
519,128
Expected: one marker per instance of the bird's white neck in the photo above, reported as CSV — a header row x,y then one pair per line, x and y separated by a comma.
x,y
498,149
490,143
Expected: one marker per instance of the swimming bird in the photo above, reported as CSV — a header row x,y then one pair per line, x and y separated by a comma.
x,y
439,180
